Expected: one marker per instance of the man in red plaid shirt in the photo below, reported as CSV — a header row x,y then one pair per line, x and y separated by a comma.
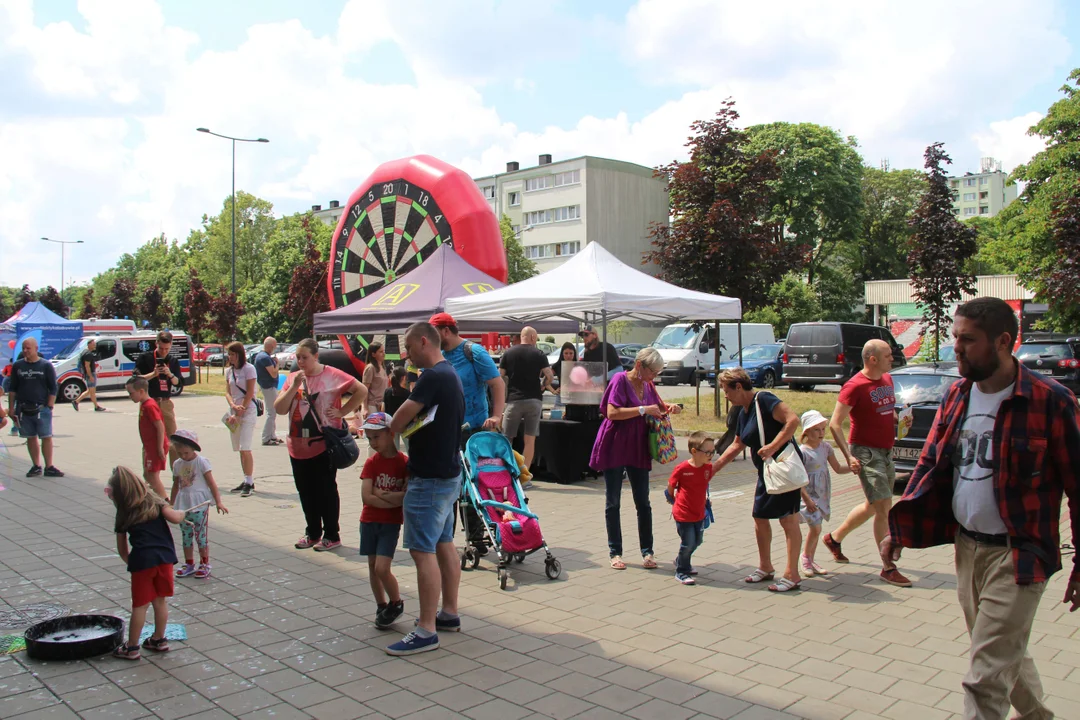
x,y
1004,448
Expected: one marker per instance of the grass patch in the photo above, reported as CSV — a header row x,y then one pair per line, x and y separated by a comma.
x,y
690,421
212,382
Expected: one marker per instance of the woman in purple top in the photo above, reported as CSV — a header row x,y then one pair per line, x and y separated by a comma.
x,y
622,446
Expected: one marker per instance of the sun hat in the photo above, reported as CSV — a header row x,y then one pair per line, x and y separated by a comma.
x,y
186,437
811,419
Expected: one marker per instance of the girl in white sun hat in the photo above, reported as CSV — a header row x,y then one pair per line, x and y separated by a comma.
x,y
193,490
817,457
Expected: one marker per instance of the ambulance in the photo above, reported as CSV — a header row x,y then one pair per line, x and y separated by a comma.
x,y
116,361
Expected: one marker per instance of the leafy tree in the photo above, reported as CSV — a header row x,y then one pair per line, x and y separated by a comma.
x,y
23,296
989,241
198,305
120,302
889,199
940,249
210,248
307,291
51,299
790,301
519,267
87,308
720,200
817,199
6,309
225,312
616,329
1062,273
155,308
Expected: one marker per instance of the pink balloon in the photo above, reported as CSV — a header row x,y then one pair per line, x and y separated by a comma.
x,y
579,375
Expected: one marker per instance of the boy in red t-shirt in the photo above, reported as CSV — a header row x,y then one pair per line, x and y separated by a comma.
x,y
383,492
155,441
688,491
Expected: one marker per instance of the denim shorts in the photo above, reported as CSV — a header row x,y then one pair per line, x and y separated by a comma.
x,y
429,512
39,425
378,538
90,381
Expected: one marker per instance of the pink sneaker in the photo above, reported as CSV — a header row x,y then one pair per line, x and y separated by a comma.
x,y
305,542
327,545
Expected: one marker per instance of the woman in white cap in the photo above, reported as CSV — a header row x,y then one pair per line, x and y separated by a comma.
x,y
817,457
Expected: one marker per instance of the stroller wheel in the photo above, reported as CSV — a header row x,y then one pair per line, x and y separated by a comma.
x,y
475,559
553,568
504,575
464,559
519,558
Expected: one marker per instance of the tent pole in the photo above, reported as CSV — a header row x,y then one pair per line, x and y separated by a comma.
x,y
603,328
716,367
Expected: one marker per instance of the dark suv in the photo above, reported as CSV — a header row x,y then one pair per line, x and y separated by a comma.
x,y
830,353
1053,355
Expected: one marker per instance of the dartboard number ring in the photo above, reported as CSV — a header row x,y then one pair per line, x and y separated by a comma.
x,y
388,231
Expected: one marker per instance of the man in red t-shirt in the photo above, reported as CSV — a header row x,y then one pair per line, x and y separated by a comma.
x,y
155,441
688,490
868,399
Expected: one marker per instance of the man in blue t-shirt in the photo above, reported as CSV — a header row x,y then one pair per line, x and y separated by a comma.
x,y
266,376
32,394
478,375
433,488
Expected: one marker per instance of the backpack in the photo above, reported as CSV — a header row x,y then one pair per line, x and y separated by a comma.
x,y
467,349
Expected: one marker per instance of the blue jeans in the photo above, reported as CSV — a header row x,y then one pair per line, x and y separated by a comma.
x,y
39,425
691,535
429,512
639,486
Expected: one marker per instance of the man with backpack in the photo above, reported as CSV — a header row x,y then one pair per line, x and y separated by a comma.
x,y
479,380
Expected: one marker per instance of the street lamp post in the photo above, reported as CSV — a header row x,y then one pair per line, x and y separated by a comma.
x,y
234,140
62,244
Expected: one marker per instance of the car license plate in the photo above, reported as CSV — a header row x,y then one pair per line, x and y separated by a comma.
x,y
798,361
903,453
1043,371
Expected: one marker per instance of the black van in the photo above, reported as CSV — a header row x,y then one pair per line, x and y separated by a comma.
x,y
830,353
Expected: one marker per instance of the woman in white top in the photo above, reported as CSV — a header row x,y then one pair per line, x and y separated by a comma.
x,y
240,393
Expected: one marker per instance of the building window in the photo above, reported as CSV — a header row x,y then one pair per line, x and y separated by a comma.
x,y
984,181
515,229
969,211
969,182
513,199
954,183
984,210
571,177
984,195
537,252
567,248
539,183
563,214
969,197
489,191
538,217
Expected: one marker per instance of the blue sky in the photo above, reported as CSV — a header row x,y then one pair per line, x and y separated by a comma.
x,y
101,97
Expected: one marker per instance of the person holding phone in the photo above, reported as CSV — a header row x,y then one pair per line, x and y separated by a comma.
x,y
162,371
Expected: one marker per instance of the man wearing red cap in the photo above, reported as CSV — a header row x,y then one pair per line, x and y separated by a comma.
x,y
478,376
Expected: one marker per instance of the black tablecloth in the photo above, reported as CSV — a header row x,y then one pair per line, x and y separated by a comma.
x,y
563,450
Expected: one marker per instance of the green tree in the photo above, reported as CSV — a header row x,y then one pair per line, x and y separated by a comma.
x,y
209,249
791,301
1062,272
989,240
941,248
720,199
6,309
817,199
889,199
518,266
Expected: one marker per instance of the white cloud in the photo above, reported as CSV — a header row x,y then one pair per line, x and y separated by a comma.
x,y
97,124
1009,142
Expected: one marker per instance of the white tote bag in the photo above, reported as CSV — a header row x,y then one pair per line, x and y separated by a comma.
x,y
784,471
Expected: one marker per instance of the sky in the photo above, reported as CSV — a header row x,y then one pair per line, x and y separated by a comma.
x,y
100,98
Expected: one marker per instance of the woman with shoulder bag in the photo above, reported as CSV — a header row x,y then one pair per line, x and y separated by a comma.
x,y
311,399
240,393
765,441
622,447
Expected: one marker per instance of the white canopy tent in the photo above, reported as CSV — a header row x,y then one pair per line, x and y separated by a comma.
x,y
594,286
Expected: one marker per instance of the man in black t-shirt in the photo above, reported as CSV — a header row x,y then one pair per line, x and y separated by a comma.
x,y
527,374
596,351
88,369
162,371
433,488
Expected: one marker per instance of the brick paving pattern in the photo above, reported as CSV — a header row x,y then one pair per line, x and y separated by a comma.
x,y
282,633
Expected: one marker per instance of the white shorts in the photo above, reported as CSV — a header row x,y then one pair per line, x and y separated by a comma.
x,y
241,439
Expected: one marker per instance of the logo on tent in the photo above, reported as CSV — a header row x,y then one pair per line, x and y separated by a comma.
x,y
477,288
396,295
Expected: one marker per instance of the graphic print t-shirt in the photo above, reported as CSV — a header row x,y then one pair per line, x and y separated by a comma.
x,y
191,478
305,438
974,504
872,404
388,475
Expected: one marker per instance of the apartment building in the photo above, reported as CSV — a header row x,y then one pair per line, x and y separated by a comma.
x,y
982,194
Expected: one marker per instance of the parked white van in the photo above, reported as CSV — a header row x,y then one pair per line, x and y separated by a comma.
x,y
108,326
685,349
116,361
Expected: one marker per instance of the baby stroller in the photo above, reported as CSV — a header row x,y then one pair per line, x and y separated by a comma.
x,y
490,490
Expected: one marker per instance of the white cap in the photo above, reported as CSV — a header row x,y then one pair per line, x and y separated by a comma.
x,y
812,418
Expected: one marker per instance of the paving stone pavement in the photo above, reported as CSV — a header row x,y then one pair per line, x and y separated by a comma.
x,y
282,633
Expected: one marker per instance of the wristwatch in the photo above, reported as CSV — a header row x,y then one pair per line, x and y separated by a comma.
x,y
641,410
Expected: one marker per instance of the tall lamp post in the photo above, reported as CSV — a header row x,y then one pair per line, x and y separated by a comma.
x,y
234,140
62,244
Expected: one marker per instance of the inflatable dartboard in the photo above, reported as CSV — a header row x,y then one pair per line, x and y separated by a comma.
x,y
396,219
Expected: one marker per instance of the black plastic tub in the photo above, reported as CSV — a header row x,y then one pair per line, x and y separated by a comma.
x,y
74,637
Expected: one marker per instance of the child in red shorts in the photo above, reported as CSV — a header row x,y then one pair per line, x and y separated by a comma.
x,y
152,432
143,517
